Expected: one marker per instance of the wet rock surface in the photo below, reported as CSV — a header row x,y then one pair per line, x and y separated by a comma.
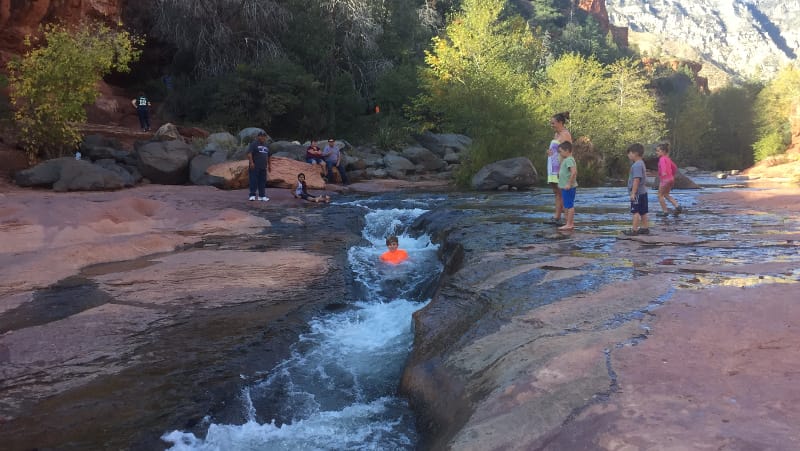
x,y
591,340
124,315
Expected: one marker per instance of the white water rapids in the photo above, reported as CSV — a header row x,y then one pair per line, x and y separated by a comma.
x,y
337,390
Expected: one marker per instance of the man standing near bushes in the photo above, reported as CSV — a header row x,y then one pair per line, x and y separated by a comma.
x,y
333,158
259,165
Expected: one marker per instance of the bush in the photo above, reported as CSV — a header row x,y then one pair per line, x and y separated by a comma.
x,y
52,83
769,145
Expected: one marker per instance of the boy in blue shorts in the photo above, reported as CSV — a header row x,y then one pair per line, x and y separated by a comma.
x,y
637,188
568,183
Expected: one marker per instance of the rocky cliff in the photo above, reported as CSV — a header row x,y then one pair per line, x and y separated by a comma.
x,y
19,18
734,39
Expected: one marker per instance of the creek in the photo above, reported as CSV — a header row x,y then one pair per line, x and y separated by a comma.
x,y
337,390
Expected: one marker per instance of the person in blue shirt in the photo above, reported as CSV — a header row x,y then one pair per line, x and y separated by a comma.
x,y
258,166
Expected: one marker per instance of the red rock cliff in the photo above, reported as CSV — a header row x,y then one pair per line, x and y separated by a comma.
x,y
19,18
597,9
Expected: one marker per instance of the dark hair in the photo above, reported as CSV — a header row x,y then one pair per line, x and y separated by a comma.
x,y
298,175
562,117
664,147
636,148
391,239
566,145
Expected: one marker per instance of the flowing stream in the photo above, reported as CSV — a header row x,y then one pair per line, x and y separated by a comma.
x,y
337,390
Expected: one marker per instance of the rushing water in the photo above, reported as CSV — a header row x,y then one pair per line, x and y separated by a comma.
x,y
337,389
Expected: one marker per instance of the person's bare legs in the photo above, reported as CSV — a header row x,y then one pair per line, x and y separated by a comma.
x,y
636,220
570,224
661,195
559,201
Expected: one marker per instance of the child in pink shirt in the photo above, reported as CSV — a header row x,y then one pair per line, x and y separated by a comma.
x,y
666,178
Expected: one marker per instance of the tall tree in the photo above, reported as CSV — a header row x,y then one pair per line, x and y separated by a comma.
x,y
775,104
479,81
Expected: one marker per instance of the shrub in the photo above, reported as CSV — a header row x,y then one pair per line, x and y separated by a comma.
x,y
52,83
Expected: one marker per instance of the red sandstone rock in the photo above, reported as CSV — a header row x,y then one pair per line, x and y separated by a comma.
x,y
283,174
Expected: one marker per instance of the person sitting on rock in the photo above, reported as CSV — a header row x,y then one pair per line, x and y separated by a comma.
x,y
394,255
301,191
333,158
314,156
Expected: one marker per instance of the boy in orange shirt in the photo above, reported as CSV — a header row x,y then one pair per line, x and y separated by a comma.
x,y
394,255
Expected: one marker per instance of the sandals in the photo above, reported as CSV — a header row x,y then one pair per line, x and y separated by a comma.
x,y
641,231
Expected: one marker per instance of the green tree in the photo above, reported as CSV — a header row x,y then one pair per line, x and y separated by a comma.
x,y
733,131
775,105
52,83
610,105
479,81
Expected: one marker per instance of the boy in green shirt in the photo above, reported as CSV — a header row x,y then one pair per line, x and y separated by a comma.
x,y
568,183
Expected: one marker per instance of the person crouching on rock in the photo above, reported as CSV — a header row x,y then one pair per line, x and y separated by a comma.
x,y
301,191
394,255
314,156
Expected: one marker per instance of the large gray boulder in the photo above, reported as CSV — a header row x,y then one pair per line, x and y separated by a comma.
x,y
167,132
424,158
398,167
440,143
514,172
288,149
43,174
81,175
248,134
98,147
130,176
165,162
198,174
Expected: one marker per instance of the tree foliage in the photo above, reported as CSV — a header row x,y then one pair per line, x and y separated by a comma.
x,y
774,107
221,34
53,82
610,105
479,81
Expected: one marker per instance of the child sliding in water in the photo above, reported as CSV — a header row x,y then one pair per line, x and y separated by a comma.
x,y
394,255
301,191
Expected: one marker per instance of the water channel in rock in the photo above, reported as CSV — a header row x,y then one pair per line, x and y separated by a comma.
x,y
337,389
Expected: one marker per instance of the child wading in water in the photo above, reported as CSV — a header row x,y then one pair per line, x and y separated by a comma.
x,y
568,183
666,179
394,255
301,191
637,187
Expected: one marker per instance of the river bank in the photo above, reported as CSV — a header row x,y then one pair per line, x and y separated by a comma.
x,y
682,339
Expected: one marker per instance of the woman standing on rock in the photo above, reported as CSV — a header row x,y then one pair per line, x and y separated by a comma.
x,y
561,135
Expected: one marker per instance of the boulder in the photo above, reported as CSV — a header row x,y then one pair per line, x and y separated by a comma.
x,y
283,174
81,175
684,182
197,171
98,147
249,134
424,158
45,173
288,149
165,162
167,132
222,141
514,172
439,144
397,166
128,178
452,157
